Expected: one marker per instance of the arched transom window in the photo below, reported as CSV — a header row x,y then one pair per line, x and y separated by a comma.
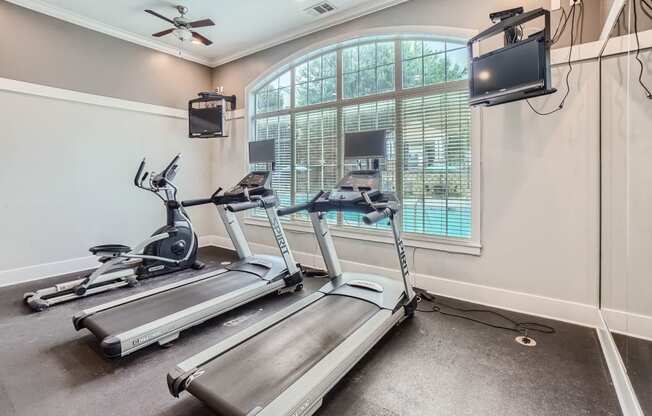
x,y
414,87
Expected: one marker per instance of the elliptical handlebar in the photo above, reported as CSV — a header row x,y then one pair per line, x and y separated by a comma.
x,y
137,180
159,183
171,169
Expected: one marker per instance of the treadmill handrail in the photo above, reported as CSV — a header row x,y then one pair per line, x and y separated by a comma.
x,y
300,207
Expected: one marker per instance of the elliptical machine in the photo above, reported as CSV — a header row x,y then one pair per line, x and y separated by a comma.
x,y
171,248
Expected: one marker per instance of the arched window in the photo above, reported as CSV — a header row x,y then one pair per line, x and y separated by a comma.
x,y
414,87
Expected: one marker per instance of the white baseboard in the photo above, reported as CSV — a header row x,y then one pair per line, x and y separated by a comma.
x,y
42,271
628,323
45,270
629,403
560,310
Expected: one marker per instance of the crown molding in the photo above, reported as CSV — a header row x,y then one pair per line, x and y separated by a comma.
x,y
368,7
364,9
79,20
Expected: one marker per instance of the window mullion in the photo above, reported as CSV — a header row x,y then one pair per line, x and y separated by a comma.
x,y
398,145
293,178
339,122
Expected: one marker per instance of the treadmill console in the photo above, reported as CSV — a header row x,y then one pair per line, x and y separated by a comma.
x,y
353,193
256,183
356,182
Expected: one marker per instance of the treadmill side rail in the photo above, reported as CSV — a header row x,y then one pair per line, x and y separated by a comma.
x,y
78,317
185,370
142,336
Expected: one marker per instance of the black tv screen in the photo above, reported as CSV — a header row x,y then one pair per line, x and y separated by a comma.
x,y
507,68
205,121
517,71
365,144
262,151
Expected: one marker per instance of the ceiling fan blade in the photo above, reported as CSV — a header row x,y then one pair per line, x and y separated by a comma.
x,y
160,16
163,33
202,39
201,23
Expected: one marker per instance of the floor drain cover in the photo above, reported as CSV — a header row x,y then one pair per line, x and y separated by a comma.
x,y
527,341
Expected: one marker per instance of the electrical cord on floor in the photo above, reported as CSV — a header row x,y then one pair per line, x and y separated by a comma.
x,y
518,327
638,46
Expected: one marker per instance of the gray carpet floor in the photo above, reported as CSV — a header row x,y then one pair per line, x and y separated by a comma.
x,y
430,365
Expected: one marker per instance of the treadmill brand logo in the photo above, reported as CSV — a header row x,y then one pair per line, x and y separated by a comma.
x,y
139,341
280,238
302,408
145,338
403,258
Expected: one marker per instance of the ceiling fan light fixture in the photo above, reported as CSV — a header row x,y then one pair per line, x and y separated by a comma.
x,y
182,27
183,34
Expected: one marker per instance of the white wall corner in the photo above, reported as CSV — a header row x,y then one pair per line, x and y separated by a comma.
x,y
628,323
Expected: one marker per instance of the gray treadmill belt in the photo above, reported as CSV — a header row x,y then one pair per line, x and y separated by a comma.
x,y
255,372
142,311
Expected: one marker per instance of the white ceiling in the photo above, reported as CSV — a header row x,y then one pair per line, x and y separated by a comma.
x,y
242,26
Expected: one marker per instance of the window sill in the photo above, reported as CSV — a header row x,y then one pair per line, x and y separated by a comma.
x,y
449,245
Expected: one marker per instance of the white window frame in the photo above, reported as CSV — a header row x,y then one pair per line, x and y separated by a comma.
x,y
472,245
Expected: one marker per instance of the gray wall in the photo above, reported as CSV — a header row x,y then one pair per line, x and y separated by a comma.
x,y
40,49
67,167
469,14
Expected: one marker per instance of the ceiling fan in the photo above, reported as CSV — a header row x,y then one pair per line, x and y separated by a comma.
x,y
182,26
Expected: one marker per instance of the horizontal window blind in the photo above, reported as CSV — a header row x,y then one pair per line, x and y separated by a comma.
x,y
437,165
279,130
380,115
315,155
422,106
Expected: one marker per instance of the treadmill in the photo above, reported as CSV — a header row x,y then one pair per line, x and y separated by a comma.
x,y
159,315
285,364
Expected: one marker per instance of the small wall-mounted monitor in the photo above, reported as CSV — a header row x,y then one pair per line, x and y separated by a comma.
x,y
206,119
519,70
262,151
207,115
365,145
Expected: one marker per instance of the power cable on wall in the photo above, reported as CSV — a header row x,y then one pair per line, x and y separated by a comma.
x,y
638,44
556,37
